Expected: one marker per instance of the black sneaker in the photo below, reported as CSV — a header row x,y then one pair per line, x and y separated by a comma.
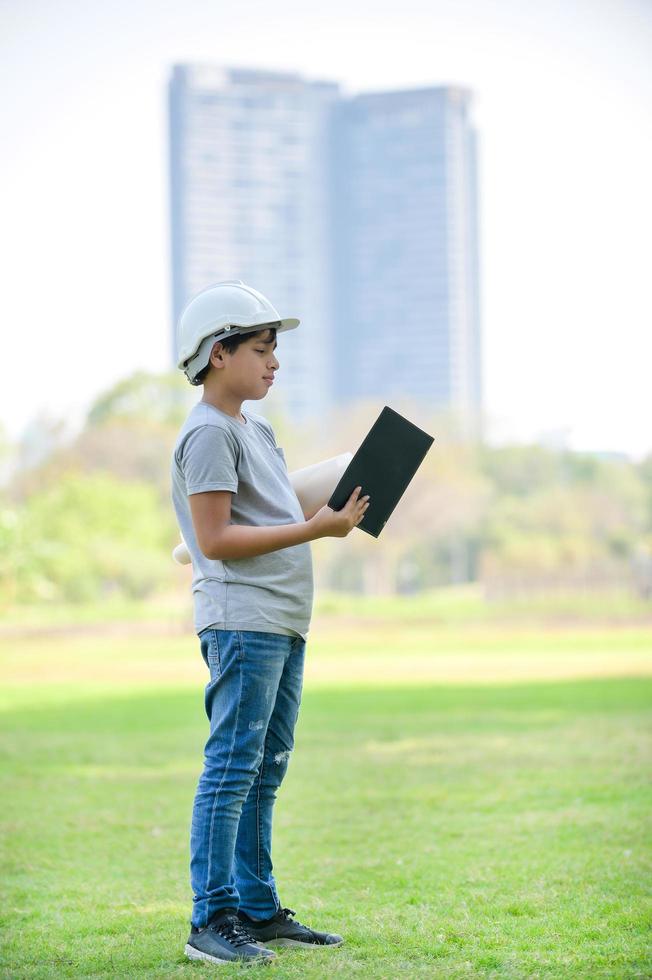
x,y
280,930
225,938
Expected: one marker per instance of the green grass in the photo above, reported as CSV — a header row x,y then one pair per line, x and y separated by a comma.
x,y
460,605
446,830
454,605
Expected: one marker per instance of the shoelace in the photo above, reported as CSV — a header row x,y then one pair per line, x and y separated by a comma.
x,y
234,930
286,913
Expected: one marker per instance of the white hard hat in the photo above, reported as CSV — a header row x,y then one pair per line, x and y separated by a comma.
x,y
222,310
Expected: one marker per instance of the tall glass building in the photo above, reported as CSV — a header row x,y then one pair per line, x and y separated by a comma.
x,y
407,261
359,215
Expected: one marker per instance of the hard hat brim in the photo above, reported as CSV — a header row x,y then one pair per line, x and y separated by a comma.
x,y
287,323
192,365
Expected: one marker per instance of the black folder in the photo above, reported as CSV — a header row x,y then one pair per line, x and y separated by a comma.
x,y
388,457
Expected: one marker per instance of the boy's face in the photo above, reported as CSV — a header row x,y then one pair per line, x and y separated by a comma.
x,y
245,371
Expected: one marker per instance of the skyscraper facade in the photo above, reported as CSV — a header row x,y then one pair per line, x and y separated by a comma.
x,y
359,215
407,262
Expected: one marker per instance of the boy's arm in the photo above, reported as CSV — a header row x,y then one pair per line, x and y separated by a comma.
x,y
219,539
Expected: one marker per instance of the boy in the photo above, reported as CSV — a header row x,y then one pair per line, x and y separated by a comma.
x,y
253,591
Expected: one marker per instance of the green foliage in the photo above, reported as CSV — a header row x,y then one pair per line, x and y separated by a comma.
x,y
84,537
570,513
644,470
473,512
517,470
165,397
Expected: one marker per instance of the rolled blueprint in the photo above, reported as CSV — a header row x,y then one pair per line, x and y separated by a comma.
x,y
313,486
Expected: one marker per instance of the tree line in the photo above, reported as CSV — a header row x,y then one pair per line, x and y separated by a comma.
x,y
85,517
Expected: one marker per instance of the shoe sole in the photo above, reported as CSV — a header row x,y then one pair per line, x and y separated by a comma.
x,y
297,942
197,954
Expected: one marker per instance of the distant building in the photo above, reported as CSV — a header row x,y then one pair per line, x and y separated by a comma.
x,y
359,215
407,262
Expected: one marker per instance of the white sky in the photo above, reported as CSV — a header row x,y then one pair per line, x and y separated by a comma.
x,y
563,106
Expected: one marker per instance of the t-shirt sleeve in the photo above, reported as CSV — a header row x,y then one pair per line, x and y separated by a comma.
x,y
209,460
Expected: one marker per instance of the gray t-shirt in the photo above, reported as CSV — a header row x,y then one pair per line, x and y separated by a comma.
x,y
273,592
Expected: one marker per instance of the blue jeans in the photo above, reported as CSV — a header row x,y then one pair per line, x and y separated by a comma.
x,y
252,702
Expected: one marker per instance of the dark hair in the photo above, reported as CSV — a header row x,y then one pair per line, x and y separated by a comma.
x,y
231,345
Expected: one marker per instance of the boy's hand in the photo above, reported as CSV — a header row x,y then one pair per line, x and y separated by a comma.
x,y
329,523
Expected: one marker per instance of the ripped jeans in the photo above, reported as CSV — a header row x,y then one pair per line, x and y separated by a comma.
x,y
252,702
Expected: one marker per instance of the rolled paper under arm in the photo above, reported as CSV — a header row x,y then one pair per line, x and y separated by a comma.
x,y
313,486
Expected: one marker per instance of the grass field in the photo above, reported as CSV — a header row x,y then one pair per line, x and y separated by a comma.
x,y
461,802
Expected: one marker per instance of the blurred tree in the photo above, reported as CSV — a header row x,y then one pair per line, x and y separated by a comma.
x,y
83,538
644,470
130,432
8,452
164,398
93,514
518,470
